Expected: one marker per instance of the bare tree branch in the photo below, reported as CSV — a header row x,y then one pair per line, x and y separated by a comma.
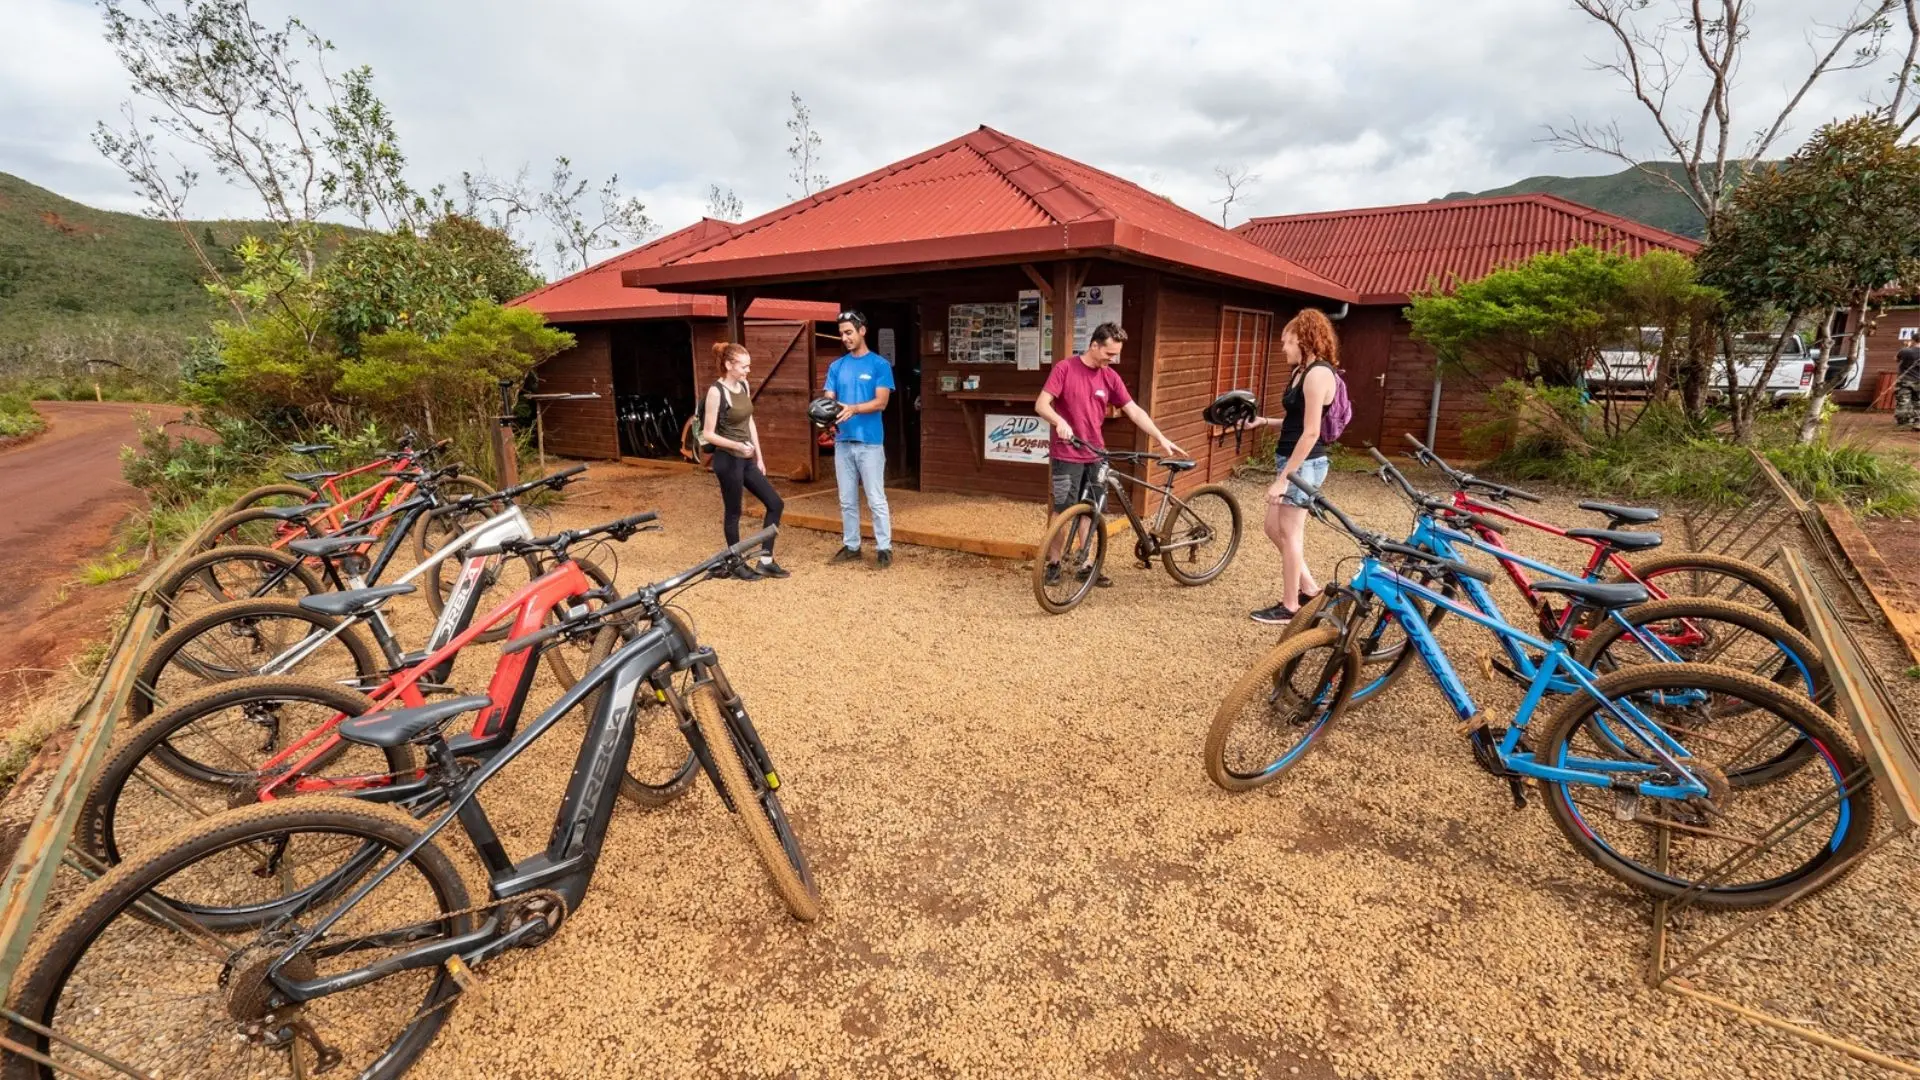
x,y
1236,177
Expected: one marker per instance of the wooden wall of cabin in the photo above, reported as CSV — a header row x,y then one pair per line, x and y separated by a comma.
x,y
587,428
782,381
1882,345
1409,397
952,425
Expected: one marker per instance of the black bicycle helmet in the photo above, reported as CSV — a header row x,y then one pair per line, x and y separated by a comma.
x,y
1231,409
823,411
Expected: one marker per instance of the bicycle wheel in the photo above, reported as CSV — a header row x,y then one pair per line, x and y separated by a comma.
x,y
253,527
661,767
566,661
755,803
174,998
1278,710
204,756
1621,833
226,574
273,495
1080,536
1717,577
1200,535
1705,631
242,639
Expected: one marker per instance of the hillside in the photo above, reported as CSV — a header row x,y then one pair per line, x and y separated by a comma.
x,y
65,264
1630,193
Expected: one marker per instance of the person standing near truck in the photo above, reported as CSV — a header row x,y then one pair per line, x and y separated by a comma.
x,y
1906,387
862,382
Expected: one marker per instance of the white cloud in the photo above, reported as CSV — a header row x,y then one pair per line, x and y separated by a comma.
x,y
1367,102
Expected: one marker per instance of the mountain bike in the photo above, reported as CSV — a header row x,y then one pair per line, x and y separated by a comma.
x,y
1689,758
346,929
262,738
1673,630
1679,573
1194,536
272,634
277,526
239,572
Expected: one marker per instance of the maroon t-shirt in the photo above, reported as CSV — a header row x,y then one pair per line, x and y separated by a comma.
x,y
1081,395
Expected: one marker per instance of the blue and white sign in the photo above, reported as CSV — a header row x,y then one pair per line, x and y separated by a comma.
x,y
1017,438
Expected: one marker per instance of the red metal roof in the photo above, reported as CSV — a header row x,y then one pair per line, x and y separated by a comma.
x,y
596,295
1387,253
982,198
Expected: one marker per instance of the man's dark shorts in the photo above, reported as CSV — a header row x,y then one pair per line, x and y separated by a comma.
x,y
1068,476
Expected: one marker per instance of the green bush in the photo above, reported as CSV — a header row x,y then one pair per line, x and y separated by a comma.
x,y
18,417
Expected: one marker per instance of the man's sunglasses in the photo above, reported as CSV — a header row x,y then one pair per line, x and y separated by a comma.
x,y
853,317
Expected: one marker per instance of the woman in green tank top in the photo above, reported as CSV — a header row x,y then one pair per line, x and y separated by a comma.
x,y
727,426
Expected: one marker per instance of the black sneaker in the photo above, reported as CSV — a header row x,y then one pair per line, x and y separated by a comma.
x,y
742,571
886,559
1104,582
1275,615
845,554
771,569
1053,573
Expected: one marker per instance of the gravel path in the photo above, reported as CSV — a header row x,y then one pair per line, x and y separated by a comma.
x,y
1026,873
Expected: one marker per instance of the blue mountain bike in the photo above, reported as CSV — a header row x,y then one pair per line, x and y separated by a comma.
x,y
1687,757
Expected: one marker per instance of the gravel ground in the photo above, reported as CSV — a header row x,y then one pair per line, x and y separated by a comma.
x,y
1026,873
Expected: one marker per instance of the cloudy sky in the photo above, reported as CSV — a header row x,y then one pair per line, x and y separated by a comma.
x,y
1362,102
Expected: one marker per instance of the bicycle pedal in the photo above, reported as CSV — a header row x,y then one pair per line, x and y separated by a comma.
x,y
466,978
1476,722
1486,666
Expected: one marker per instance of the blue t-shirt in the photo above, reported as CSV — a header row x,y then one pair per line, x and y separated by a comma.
x,y
853,380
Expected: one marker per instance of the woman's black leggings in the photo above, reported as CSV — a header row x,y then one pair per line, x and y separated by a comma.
x,y
739,474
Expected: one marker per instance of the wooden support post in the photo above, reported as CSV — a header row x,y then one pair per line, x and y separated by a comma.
x,y
506,460
1064,292
738,300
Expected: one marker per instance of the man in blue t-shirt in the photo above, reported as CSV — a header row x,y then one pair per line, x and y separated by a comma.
x,y
861,381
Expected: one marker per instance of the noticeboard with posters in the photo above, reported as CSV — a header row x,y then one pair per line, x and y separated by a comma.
x,y
1015,437
1095,304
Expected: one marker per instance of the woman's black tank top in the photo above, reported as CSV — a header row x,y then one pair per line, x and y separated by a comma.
x,y
1294,421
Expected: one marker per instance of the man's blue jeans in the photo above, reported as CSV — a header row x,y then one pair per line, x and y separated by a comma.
x,y
857,466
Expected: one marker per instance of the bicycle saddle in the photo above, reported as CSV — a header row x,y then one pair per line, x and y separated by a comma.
x,y
1623,515
310,448
324,547
351,602
294,513
310,477
389,728
1176,464
1614,538
1593,594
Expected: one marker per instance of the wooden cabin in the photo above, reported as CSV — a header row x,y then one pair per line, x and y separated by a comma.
x,y
1386,254
957,256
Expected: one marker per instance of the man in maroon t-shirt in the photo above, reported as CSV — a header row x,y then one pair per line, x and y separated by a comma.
x,y
1075,400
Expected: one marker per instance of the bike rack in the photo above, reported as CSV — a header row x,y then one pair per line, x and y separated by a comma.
x,y
1892,766
43,850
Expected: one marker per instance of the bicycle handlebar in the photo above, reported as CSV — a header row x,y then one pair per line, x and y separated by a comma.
x,y
1378,544
554,481
1423,501
1466,481
559,542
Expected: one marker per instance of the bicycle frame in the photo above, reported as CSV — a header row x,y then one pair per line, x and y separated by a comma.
x,y
1398,594
335,517
1601,556
1106,481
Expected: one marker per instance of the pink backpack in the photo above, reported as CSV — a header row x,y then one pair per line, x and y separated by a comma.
x,y
1339,410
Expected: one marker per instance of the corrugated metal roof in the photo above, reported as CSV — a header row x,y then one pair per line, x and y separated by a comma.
x,y
983,198
596,295
1387,253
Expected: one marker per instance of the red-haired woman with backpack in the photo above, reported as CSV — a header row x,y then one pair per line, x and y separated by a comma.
x,y
1314,355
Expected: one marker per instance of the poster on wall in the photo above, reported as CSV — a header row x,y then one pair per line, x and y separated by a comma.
x,y
1909,333
1094,305
1016,438
888,348
1028,345
980,333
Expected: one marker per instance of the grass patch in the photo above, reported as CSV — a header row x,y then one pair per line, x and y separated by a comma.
x,y
111,568
1914,672
18,417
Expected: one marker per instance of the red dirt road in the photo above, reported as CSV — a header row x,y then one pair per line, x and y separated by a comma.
x,y
61,496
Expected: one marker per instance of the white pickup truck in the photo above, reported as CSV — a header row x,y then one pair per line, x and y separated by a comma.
x,y
1629,367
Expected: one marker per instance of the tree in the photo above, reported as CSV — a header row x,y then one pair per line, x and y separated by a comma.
x,y
1695,46
1903,107
1235,177
805,151
1836,221
1548,319
581,218
723,204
